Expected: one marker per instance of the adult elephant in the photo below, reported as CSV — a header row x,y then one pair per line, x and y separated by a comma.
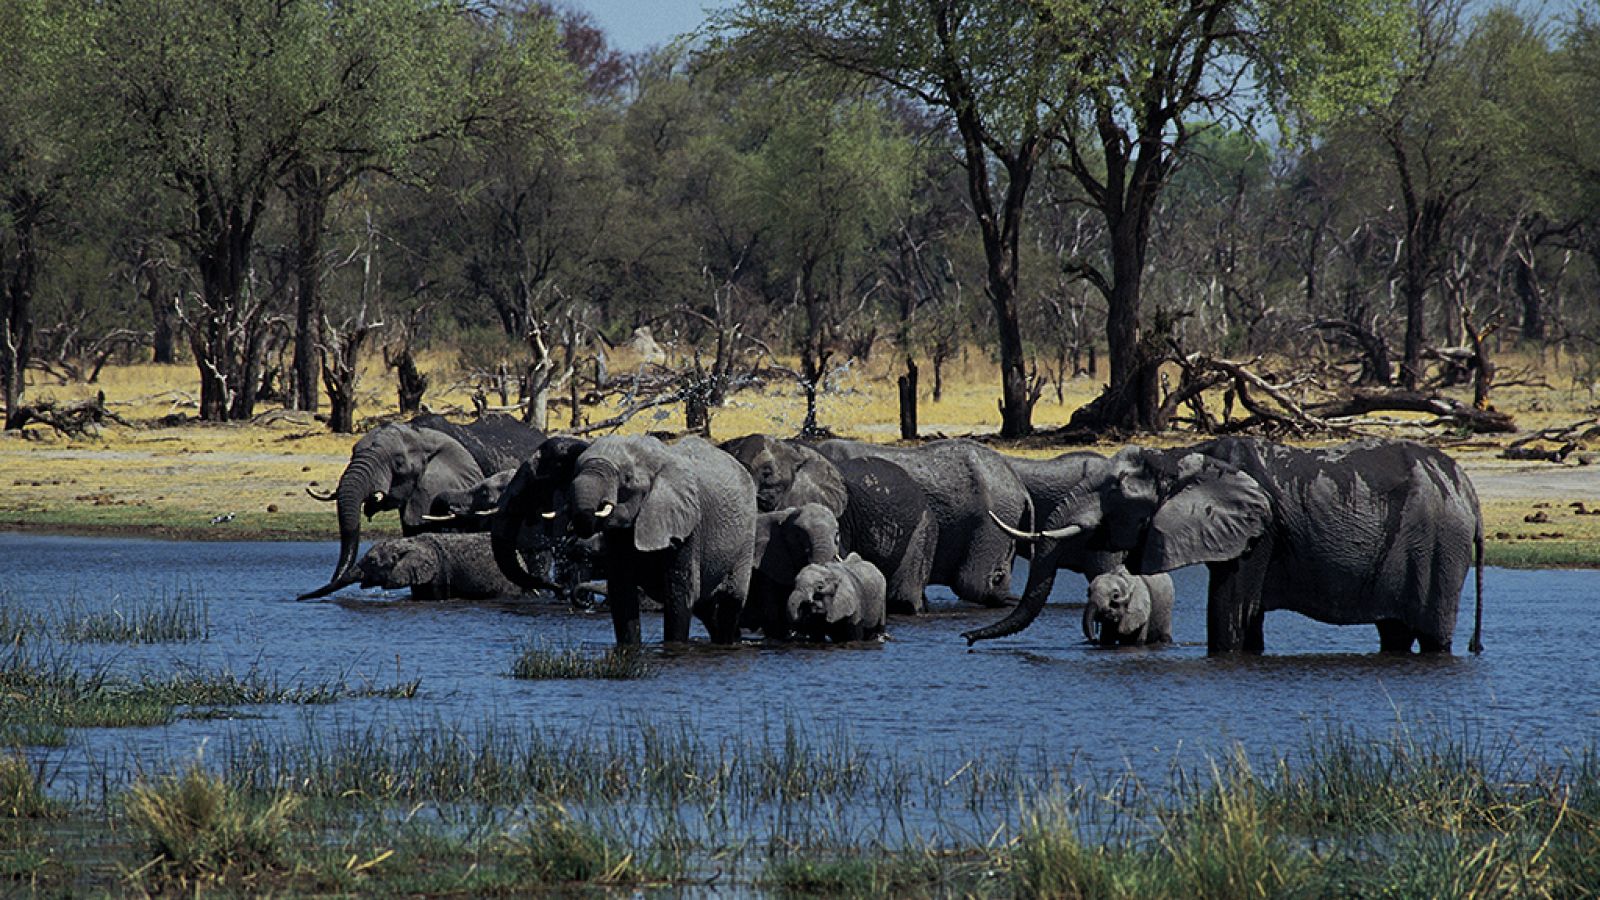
x,y
883,514
962,482
1050,482
1372,531
676,523
404,466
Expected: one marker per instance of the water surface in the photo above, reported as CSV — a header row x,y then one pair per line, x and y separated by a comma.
x,y
921,693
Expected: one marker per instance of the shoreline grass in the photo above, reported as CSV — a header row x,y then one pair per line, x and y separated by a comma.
x,y
1436,814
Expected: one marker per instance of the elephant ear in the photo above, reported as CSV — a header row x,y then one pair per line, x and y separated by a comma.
x,y
670,511
1213,515
846,603
415,568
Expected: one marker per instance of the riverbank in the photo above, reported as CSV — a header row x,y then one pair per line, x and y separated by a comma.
x,y
249,483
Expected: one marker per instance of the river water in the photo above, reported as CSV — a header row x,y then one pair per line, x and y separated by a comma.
x,y
921,692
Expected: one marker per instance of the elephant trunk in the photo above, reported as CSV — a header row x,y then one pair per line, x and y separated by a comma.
x,y
361,479
1091,622
505,529
1026,610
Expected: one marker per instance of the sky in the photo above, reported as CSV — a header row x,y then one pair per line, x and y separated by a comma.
x,y
633,25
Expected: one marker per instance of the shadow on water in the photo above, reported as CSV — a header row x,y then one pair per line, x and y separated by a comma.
x,y
919,692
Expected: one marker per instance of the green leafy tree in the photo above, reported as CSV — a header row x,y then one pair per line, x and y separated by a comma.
x,y
37,159
1147,77
990,67
827,182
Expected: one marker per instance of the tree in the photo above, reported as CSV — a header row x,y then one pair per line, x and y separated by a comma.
x,y
990,67
36,157
1148,77
827,180
393,71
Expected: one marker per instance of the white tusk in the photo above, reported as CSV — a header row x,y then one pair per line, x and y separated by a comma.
x,y
1053,534
548,514
484,512
325,498
432,518
604,511
377,497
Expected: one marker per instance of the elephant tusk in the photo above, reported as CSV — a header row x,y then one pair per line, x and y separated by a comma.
x,y
429,517
1052,534
484,512
328,497
550,514
604,511
377,497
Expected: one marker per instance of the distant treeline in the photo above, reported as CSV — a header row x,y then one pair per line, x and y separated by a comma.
x,y
1385,192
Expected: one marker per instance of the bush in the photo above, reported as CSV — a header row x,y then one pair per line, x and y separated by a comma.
x,y
201,829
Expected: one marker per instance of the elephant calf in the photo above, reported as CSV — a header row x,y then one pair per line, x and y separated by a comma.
x,y
839,601
787,541
436,567
1129,609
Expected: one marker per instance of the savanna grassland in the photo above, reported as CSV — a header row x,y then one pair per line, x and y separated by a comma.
x,y
171,481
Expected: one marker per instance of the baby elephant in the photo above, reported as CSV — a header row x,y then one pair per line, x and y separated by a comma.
x,y
840,601
436,567
1129,609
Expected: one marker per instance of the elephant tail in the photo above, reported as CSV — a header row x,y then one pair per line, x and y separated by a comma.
x,y
1476,644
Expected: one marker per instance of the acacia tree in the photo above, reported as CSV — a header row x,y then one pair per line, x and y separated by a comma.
x,y
988,66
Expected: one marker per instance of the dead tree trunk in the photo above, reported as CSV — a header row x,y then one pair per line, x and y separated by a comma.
x,y
908,401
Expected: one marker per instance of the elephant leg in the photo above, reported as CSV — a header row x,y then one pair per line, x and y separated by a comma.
x,y
623,598
1234,610
845,632
682,590
1395,636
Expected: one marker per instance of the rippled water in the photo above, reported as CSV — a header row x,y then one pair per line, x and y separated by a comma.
x,y
920,692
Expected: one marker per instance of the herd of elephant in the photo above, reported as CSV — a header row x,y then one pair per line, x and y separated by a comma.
x,y
821,541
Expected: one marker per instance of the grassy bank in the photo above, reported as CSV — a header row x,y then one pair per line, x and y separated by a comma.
x,y
1436,815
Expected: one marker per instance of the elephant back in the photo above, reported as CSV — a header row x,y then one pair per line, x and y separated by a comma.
x,y
882,511
495,442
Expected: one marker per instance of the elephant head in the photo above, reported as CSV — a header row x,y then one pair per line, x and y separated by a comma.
x,y
789,539
533,509
817,598
395,466
1118,605
787,474
1165,509
400,563
635,489
481,499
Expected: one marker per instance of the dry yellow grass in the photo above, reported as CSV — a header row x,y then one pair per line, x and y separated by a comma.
x,y
174,480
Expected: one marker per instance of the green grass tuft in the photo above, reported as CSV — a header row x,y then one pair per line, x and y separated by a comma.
x,y
175,619
21,796
556,848
202,830
538,661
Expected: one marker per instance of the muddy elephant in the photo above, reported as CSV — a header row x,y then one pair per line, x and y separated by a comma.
x,y
962,482
436,567
787,540
404,466
882,513
1124,608
1375,531
1050,482
676,523
839,601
